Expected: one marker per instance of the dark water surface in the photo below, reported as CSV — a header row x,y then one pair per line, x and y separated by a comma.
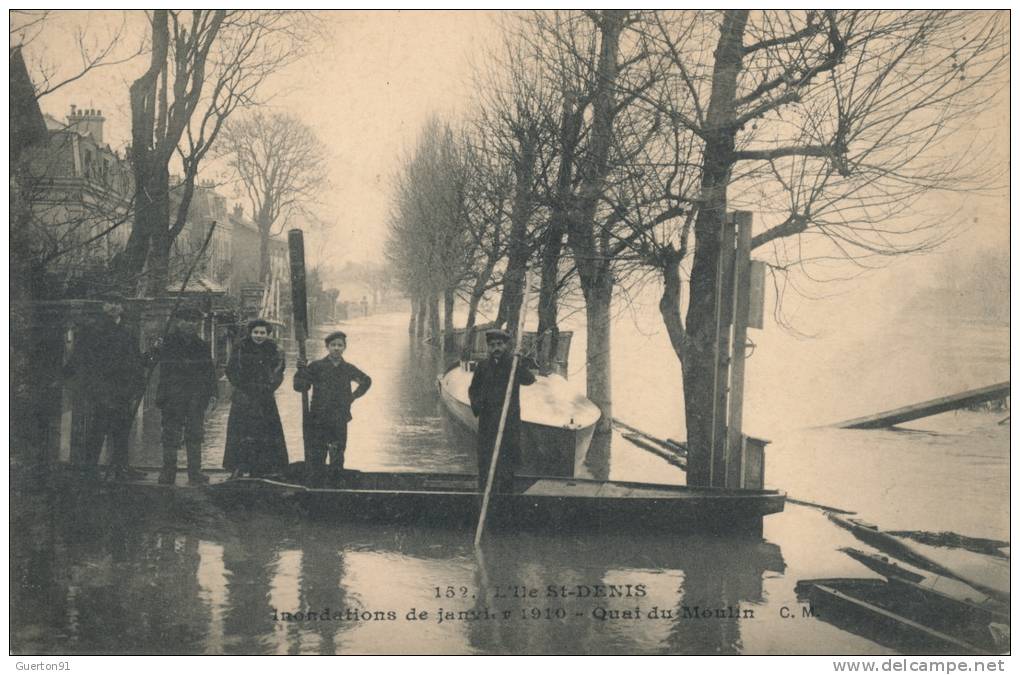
x,y
95,575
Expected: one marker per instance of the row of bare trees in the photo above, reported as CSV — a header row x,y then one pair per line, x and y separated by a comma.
x,y
610,145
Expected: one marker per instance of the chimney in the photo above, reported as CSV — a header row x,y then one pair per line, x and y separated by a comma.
x,y
88,122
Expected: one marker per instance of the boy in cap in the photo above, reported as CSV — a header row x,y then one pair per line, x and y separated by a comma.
x,y
330,380
187,386
487,392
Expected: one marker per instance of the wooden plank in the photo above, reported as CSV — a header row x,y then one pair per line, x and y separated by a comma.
x,y
721,354
740,301
563,488
756,296
928,408
615,491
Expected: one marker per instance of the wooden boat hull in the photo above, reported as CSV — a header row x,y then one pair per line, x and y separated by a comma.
x,y
546,449
903,615
452,500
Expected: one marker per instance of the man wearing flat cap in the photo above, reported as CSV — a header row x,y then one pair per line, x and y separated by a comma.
x,y
110,368
330,379
487,392
187,387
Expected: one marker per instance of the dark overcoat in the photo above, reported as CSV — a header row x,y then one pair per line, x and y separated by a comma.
x,y
186,370
254,433
487,392
108,363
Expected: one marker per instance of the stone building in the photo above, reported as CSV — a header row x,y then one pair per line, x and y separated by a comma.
x,y
78,195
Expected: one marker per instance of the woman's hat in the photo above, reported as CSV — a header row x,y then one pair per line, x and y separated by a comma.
x,y
255,323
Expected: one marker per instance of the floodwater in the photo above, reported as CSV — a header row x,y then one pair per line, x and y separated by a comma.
x,y
99,577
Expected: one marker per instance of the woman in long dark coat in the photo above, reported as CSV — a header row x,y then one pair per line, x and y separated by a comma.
x,y
255,443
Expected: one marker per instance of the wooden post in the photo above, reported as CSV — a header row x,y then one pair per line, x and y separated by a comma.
x,y
741,304
296,244
721,356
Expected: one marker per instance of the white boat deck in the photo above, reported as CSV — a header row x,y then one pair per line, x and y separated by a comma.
x,y
550,401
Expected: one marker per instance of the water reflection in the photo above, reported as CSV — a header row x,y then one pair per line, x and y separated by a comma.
x,y
267,584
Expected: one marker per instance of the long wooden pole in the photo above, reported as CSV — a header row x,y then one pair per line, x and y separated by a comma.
x,y
506,409
740,303
299,301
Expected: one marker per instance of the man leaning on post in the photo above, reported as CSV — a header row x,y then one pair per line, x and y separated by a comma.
x,y
187,387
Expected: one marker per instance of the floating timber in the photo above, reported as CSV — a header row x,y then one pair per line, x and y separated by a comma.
x,y
928,408
988,574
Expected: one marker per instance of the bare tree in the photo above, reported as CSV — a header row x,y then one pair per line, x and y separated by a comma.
x,y
281,164
203,65
831,125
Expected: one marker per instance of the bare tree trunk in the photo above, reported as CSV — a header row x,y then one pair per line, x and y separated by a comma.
x,y
548,328
599,381
419,328
264,253
552,246
520,213
448,301
699,345
592,265
669,307
433,317
411,323
157,266
152,178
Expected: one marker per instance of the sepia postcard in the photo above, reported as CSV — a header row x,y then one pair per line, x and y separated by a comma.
x,y
546,332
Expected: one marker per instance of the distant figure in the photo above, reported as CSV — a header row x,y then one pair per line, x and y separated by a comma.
x,y
187,386
364,305
255,443
330,379
110,368
487,392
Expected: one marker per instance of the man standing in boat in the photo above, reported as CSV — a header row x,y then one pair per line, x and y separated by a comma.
x,y
330,379
487,393
111,373
187,387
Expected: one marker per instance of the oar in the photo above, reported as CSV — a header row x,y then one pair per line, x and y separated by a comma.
x,y
506,409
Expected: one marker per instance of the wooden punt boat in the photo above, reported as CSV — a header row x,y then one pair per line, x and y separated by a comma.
x,y
557,421
560,504
907,616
